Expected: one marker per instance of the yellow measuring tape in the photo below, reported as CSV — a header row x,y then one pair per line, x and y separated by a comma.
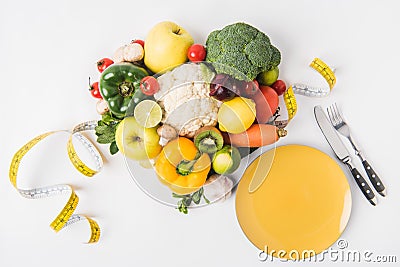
x,y
326,72
66,217
302,89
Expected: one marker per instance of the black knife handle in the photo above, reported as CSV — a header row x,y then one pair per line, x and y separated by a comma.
x,y
363,185
374,178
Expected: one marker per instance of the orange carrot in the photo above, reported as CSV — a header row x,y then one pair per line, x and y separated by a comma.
x,y
255,136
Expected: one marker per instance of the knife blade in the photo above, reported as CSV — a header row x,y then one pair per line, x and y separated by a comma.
x,y
342,153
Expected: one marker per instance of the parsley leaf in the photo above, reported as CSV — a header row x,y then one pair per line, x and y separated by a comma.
x,y
186,200
105,131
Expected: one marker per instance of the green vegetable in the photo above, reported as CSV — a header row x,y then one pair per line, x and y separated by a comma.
x,y
105,131
241,51
186,200
117,85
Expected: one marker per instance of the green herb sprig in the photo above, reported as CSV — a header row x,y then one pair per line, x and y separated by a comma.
x,y
186,200
105,131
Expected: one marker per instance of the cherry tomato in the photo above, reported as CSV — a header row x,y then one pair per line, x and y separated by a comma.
x,y
103,63
196,53
149,85
94,90
138,41
279,86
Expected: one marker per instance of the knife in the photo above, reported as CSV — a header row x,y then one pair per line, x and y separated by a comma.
x,y
342,153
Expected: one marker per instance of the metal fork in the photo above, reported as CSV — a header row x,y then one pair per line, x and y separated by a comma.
x,y
341,126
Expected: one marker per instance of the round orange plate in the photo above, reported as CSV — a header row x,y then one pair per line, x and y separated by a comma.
x,y
303,204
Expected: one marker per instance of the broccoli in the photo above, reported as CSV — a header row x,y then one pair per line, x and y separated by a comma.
x,y
241,51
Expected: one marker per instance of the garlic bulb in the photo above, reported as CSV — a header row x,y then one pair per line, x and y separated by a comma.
x,y
218,188
129,53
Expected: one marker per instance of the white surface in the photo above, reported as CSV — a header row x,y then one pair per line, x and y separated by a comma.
x,y
49,48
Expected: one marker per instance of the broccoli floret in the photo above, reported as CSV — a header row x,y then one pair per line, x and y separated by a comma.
x,y
276,57
213,46
244,50
258,51
231,61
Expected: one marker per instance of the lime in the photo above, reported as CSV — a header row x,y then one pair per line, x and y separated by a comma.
x,y
148,113
268,77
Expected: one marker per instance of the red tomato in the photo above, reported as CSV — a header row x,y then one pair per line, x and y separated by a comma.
x,y
263,111
94,90
103,63
279,86
149,85
267,101
271,96
138,41
196,53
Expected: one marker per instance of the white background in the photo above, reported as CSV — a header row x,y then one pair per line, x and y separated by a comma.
x,y
49,48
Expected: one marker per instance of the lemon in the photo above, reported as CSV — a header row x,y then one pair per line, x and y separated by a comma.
x,y
148,113
236,115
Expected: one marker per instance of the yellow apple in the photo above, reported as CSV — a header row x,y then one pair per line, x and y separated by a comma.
x,y
166,46
135,141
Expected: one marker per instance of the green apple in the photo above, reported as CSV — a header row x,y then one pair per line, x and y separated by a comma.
x,y
166,46
135,141
268,77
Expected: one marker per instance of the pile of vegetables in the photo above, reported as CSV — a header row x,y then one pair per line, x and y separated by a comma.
x,y
189,121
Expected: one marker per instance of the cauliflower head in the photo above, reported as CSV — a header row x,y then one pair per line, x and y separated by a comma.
x,y
184,98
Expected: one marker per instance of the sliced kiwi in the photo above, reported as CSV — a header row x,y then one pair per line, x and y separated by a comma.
x,y
208,139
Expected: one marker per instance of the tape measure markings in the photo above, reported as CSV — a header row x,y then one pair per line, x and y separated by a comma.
x,y
20,154
67,213
291,103
75,160
326,72
303,89
43,192
63,217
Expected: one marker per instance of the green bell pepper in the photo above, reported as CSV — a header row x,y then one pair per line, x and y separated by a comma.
x,y
117,85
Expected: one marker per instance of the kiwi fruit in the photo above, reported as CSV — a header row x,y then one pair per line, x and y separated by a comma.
x,y
208,139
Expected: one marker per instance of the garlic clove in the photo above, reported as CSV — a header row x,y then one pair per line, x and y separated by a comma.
x,y
102,107
133,52
218,188
119,55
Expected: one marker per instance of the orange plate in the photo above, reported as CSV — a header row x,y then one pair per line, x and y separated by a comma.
x,y
303,204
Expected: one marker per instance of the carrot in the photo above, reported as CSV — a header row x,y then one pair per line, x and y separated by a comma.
x,y
255,136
